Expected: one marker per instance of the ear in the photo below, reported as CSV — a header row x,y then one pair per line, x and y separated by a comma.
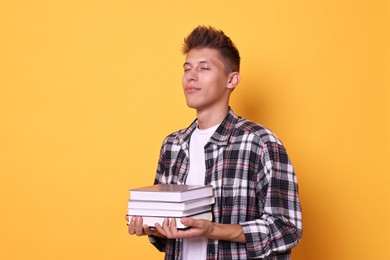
x,y
234,79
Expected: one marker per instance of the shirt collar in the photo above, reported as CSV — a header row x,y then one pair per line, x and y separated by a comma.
x,y
220,136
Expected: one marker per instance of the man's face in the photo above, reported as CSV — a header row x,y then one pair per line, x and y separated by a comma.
x,y
205,80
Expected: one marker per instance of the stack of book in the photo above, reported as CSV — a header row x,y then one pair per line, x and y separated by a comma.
x,y
157,202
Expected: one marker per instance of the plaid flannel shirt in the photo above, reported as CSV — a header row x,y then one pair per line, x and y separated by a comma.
x,y
254,186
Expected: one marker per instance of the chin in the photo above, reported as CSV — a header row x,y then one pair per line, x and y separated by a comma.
x,y
191,106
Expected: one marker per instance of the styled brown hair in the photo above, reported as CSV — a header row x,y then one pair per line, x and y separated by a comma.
x,y
209,37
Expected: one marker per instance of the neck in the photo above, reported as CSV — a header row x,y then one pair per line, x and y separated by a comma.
x,y
207,119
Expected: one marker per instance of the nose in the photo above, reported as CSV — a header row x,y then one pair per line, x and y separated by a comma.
x,y
191,75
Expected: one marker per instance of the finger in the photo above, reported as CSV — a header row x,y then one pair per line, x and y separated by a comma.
x,y
188,222
154,231
148,230
165,226
131,226
160,229
173,227
139,230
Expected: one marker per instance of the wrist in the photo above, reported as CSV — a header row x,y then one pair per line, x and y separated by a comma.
x,y
230,232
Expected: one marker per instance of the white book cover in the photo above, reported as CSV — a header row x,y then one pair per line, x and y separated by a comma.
x,y
185,205
151,221
167,213
171,192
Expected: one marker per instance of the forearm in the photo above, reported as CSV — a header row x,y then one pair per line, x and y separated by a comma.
x,y
230,232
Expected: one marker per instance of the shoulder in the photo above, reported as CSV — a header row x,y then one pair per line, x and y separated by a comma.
x,y
260,140
170,139
257,131
176,134
179,136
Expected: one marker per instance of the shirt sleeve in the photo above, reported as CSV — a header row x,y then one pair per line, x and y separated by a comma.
x,y
158,242
279,227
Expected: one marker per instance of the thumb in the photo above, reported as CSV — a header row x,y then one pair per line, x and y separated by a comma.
x,y
189,222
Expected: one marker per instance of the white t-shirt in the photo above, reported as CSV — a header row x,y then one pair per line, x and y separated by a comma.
x,y
196,248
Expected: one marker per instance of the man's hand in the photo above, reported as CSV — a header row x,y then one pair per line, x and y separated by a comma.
x,y
198,228
136,227
202,228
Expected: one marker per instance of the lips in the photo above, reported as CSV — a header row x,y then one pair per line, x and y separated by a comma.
x,y
190,90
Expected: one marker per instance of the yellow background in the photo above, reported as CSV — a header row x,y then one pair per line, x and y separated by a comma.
x,y
88,90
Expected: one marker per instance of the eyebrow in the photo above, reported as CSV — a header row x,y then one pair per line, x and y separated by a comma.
x,y
199,62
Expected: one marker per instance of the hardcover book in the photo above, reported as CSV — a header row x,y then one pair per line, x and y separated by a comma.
x,y
185,205
151,221
171,192
168,213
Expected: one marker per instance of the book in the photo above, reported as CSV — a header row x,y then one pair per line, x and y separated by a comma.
x,y
171,192
167,213
185,205
151,221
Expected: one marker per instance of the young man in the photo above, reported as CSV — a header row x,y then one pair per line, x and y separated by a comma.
x,y
257,212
